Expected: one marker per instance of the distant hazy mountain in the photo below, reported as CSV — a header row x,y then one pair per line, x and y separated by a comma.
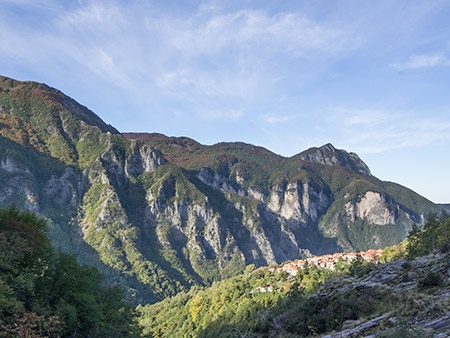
x,y
159,214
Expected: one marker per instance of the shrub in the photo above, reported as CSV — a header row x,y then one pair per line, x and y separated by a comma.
x,y
431,279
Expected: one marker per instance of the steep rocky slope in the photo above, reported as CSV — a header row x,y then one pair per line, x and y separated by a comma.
x,y
421,286
160,214
324,198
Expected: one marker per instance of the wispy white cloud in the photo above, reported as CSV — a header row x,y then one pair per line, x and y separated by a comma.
x,y
231,54
276,118
375,130
365,117
214,54
228,114
291,33
423,61
45,5
229,51
96,17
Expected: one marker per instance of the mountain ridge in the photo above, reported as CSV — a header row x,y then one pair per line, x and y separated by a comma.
x,y
160,214
326,154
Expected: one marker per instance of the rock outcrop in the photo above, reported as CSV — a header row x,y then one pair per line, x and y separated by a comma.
x,y
424,312
329,155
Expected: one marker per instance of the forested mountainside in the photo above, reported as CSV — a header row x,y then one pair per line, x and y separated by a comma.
x,y
46,293
160,214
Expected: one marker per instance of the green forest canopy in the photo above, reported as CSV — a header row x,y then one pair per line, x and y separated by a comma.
x,y
44,293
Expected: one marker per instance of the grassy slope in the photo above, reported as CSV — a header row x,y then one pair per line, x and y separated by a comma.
x,y
41,117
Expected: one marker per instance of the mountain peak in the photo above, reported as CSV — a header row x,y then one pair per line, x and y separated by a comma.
x,y
329,147
329,155
30,92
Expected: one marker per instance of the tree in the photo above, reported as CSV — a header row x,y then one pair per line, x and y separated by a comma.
x,y
433,237
48,294
195,307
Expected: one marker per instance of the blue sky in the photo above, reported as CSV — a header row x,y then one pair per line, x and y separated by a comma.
x,y
371,77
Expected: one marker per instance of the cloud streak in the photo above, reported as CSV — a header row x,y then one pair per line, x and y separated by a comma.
x,y
291,33
218,53
231,114
375,131
423,61
276,118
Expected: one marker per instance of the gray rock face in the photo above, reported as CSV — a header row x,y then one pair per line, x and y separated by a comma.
x,y
18,185
299,201
372,207
142,159
217,181
8,164
65,190
331,156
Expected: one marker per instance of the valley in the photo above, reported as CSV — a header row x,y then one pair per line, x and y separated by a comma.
x,y
176,224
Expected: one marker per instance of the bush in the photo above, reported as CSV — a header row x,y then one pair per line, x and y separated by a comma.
x,y
431,279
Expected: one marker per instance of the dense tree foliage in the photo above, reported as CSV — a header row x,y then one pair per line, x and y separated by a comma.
x,y
263,302
48,294
435,236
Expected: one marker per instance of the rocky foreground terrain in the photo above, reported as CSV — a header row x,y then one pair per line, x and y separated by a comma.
x,y
420,295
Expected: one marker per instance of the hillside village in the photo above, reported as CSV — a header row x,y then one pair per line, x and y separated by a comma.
x,y
329,261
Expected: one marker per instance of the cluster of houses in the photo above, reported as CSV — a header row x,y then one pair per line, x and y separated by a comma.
x,y
329,261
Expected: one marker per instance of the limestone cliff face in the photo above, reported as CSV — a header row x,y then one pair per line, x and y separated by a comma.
x,y
299,201
65,190
378,209
18,184
373,208
220,224
142,159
